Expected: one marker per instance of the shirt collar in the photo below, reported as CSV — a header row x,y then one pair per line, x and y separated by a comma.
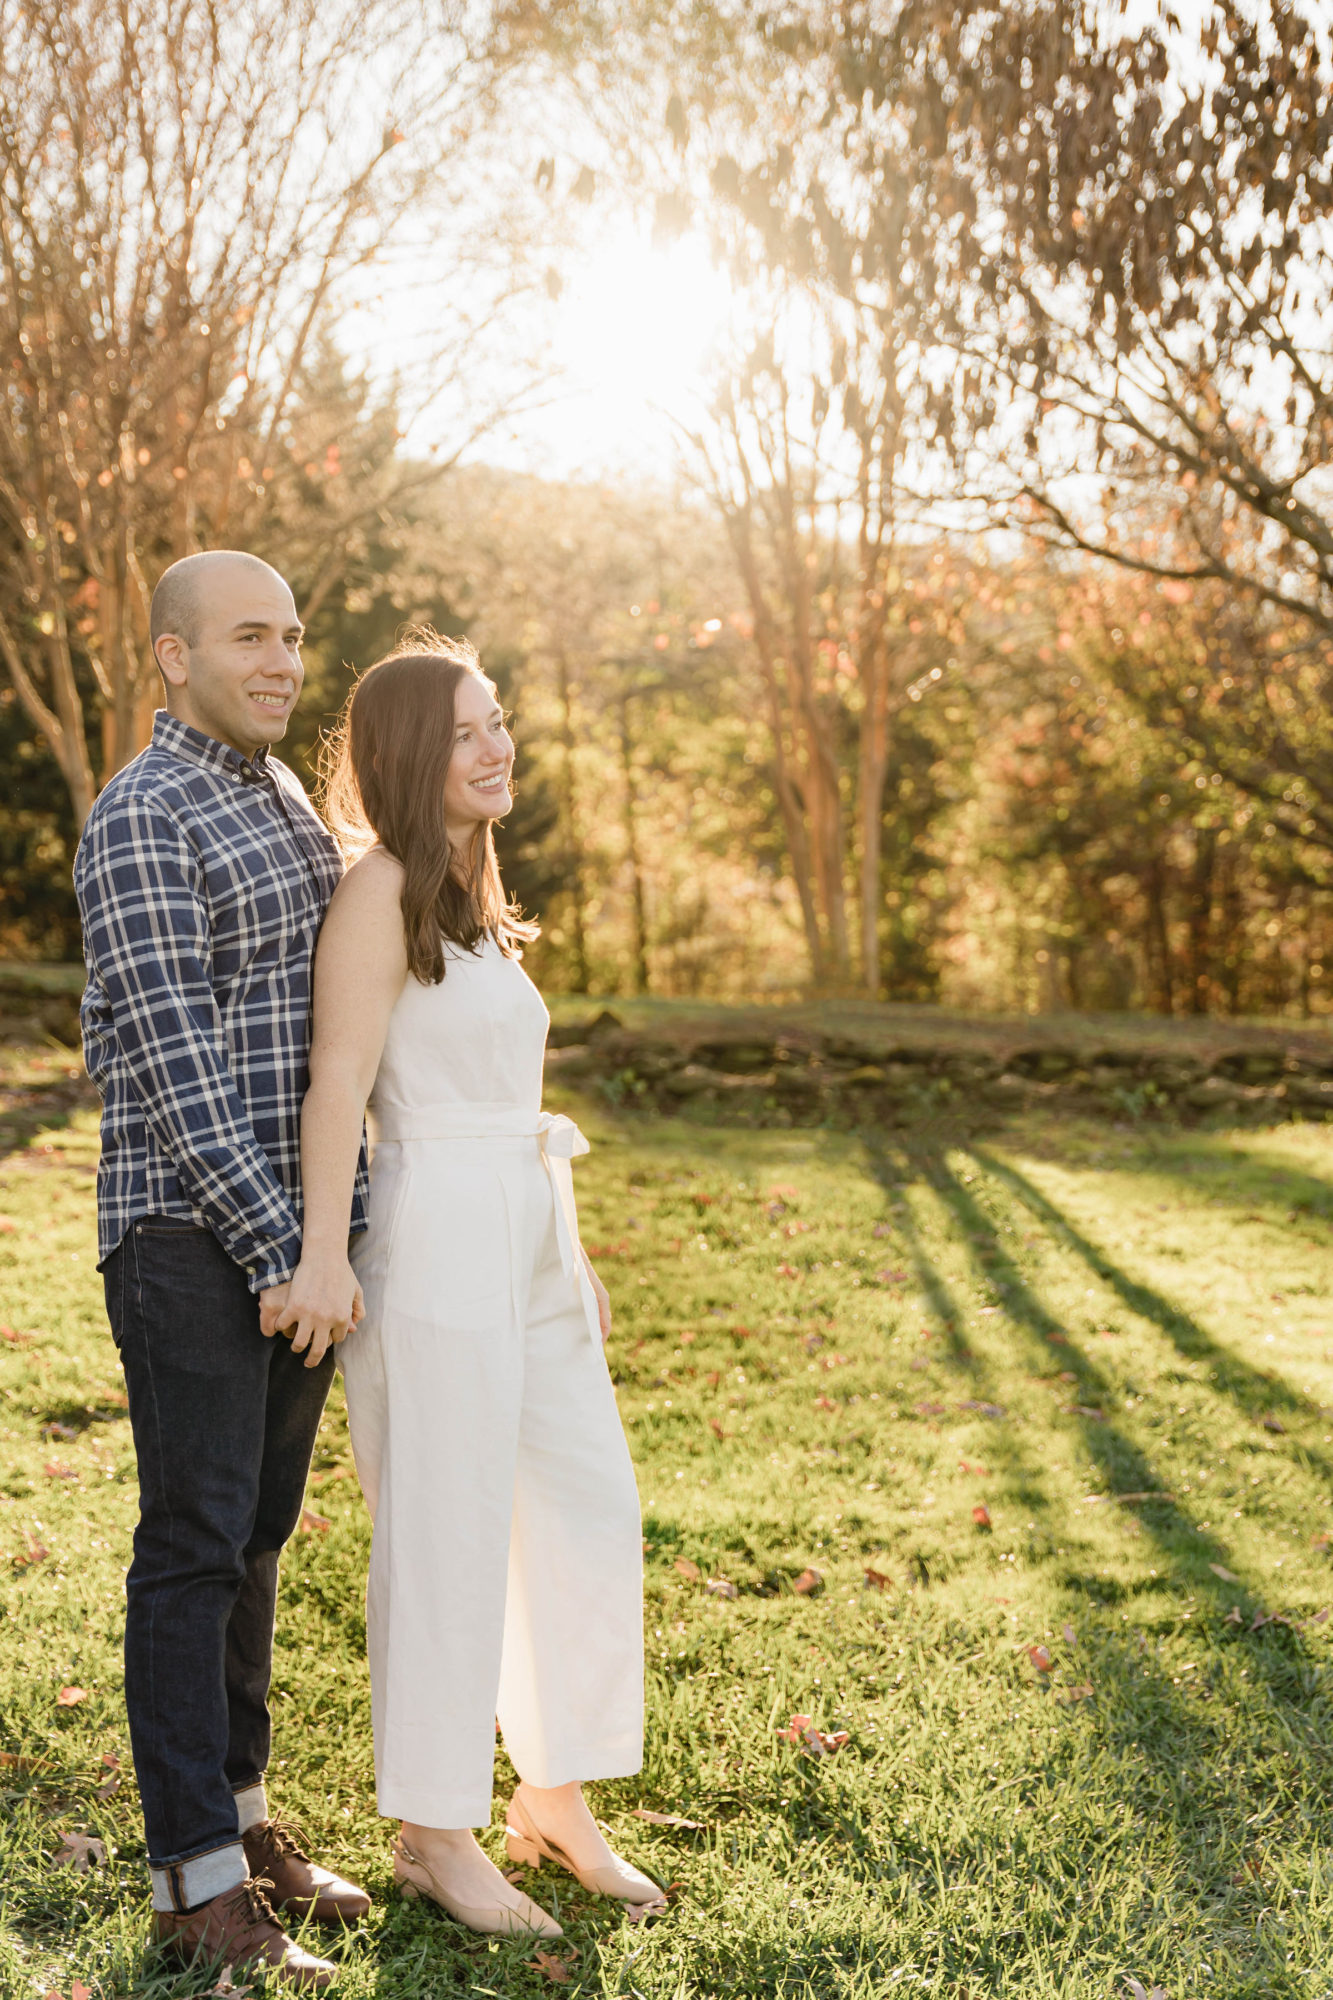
x,y
179,739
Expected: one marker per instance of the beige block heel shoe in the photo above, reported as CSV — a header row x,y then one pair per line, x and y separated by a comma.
x,y
496,1919
527,1846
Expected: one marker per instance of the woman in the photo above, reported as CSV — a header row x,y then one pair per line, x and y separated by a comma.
x,y
505,1571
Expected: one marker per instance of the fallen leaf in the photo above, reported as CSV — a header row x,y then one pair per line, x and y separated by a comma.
x,y
558,1970
643,1913
930,1409
14,1338
1088,1410
788,1271
1081,1692
808,1582
312,1523
1040,1659
515,1877
876,1580
35,1552
79,1852
1234,1616
111,1764
1320,1616
1272,1424
1227,1575
1071,1637
687,1339
825,1403
717,1430
882,1229
690,1571
65,1431
891,1277
53,1470
814,1742
668,1819
983,1409
226,1989
70,1697
718,1586
812,1342
981,1515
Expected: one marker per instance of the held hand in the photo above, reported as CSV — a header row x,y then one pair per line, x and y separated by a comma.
x,y
271,1303
602,1297
323,1304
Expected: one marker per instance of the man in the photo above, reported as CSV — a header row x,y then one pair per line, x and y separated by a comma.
x,y
203,875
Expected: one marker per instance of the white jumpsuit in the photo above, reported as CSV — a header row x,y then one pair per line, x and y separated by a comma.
x,y
506,1566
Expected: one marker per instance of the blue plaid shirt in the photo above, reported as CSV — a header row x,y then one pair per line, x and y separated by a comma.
x,y
203,877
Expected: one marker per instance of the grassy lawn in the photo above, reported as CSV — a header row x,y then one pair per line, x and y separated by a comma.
x,y
1114,1346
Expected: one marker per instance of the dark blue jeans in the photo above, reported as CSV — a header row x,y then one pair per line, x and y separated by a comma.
x,y
224,1424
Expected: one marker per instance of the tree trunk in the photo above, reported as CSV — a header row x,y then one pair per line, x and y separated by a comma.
x,y
639,965
577,871
1158,938
1201,920
871,775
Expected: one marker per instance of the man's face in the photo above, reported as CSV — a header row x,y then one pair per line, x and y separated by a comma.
x,y
240,680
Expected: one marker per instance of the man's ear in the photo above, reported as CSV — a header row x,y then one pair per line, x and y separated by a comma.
x,y
173,659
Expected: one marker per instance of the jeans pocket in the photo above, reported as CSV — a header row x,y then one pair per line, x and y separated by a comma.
x,y
189,1298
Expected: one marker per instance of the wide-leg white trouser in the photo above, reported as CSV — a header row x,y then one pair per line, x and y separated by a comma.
x,y
506,1565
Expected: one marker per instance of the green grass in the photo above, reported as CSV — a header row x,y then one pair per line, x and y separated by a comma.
x,y
1155,1805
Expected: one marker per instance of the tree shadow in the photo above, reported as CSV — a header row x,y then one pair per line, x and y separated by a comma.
x,y
1251,1388
1280,1661
27,1109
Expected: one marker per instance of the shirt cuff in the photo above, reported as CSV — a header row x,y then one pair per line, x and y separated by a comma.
x,y
275,1269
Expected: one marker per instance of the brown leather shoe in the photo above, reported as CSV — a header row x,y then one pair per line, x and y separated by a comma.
x,y
300,1888
240,1928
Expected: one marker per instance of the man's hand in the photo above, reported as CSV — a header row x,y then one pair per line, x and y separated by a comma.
x,y
324,1302
271,1304
602,1296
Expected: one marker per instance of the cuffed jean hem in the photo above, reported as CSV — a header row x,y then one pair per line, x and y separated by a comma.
x,y
183,1885
251,1805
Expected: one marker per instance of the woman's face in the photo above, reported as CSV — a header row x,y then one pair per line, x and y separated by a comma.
x,y
476,784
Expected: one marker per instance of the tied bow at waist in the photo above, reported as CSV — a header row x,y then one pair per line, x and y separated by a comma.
x,y
559,1141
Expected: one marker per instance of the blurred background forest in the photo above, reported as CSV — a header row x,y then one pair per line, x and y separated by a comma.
x,y
880,450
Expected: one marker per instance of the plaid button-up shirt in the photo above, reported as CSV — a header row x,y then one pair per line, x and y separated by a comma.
x,y
203,877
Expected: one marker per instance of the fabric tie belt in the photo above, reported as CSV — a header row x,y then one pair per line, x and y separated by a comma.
x,y
559,1141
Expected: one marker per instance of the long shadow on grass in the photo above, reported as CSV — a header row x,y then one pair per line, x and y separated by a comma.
x,y
1175,1723
1253,1390
27,1109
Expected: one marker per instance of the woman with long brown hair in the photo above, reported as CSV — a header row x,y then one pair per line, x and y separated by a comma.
x,y
505,1570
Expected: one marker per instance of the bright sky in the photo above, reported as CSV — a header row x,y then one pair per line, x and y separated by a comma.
x,y
628,341
631,338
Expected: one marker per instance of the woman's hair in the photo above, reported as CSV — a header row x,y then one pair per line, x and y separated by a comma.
x,y
382,778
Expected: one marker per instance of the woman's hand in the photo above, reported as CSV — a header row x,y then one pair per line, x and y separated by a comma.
x,y
602,1296
324,1303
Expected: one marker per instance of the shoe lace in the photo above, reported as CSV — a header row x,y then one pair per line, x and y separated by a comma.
x,y
250,1901
288,1839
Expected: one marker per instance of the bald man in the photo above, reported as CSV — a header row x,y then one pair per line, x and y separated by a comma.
x,y
203,875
